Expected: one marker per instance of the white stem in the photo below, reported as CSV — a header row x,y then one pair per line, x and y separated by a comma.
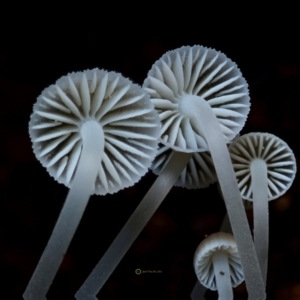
x,y
225,226
222,275
259,178
203,116
71,213
134,226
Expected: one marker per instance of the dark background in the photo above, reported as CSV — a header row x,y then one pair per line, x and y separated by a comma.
x,y
40,44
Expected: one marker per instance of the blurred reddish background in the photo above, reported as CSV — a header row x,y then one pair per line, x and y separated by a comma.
x,y
37,49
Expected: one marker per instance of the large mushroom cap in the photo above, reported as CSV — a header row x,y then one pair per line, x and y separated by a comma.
x,y
202,72
203,265
279,159
125,113
199,172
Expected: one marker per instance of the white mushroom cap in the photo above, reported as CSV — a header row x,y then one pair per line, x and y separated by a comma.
x,y
279,159
199,172
202,72
203,264
124,111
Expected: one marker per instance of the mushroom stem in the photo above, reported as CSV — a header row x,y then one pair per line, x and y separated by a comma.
x,y
226,226
222,275
259,173
134,225
81,188
203,117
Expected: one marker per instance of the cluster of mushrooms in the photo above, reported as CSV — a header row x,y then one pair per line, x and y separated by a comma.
x,y
97,133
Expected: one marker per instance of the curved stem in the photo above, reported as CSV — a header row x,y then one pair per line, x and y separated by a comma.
x,y
259,180
222,275
202,114
134,226
71,213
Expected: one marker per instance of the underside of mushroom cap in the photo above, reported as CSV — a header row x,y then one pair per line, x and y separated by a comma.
x,y
279,159
203,265
202,72
123,109
199,172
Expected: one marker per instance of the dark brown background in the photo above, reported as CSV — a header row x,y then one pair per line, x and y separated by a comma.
x,y
40,44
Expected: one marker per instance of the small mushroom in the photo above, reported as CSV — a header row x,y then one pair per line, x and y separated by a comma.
x,y
198,292
96,132
198,173
217,264
265,168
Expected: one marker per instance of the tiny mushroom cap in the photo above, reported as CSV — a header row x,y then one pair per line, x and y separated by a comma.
x,y
219,242
129,122
203,72
277,155
199,172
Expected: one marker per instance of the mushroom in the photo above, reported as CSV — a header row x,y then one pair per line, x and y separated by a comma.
x,y
198,173
265,168
199,291
96,132
217,264
202,100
